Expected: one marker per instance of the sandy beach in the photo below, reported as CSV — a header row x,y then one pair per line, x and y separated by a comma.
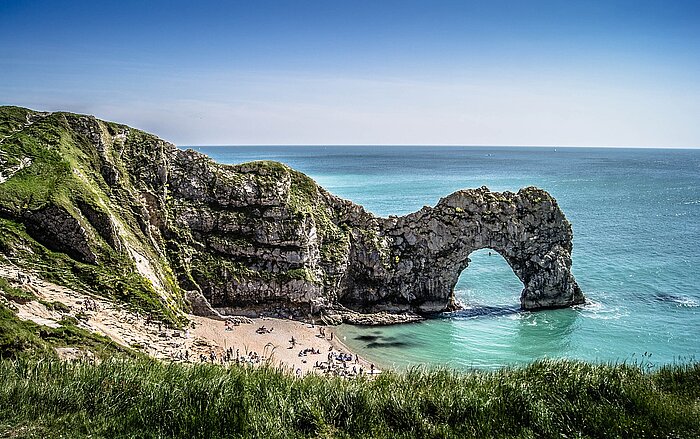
x,y
310,348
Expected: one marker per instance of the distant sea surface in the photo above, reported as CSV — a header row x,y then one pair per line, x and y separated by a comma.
x,y
636,221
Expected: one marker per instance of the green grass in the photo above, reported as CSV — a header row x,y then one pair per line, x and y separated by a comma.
x,y
114,278
12,119
13,293
145,398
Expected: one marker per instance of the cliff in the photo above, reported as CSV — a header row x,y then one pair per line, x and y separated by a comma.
x,y
111,209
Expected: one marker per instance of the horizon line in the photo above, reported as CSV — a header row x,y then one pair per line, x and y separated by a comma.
x,y
448,145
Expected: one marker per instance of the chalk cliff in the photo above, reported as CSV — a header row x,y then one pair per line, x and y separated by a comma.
x,y
123,213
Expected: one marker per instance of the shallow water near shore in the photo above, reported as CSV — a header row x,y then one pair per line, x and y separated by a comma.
x,y
636,220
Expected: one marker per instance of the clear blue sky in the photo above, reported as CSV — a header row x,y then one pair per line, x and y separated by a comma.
x,y
588,73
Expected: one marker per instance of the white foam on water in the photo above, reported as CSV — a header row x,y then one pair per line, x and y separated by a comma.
x,y
686,302
599,311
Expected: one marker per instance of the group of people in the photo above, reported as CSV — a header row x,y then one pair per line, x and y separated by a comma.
x,y
264,330
228,356
307,351
89,305
337,363
322,333
343,365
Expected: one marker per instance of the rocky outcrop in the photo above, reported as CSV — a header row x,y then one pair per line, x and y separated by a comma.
x,y
263,238
426,251
200,306
59,230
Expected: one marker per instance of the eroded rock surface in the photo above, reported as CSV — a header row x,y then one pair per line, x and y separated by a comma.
x,y
426,251
262,238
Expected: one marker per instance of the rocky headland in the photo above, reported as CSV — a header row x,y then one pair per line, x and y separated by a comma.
x,y
103,207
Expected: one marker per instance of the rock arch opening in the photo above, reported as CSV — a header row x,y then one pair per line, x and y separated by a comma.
x,y
488,284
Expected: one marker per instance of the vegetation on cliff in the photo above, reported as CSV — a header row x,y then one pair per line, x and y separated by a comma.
x,y
150,399
54,200
111,210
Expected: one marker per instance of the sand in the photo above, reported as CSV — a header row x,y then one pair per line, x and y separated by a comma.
x,y
276,346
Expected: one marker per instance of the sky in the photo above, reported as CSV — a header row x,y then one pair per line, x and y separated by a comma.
x,y
535,73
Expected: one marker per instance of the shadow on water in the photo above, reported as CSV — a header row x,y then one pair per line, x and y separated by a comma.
x,y
368,337
676,299
390,344
376,340
476,311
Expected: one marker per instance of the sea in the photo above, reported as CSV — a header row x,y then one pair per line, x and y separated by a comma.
x,y
636,255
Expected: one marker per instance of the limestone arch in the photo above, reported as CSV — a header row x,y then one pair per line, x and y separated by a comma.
x,y
425,252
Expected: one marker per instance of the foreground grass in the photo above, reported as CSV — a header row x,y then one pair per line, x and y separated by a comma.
x,y
144,398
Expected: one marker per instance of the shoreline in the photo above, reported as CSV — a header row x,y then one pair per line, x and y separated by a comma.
x,y
341,346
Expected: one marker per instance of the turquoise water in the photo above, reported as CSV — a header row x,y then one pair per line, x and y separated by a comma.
x,y
636,220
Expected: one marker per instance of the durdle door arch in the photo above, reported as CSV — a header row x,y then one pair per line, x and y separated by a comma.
x,y
430,248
